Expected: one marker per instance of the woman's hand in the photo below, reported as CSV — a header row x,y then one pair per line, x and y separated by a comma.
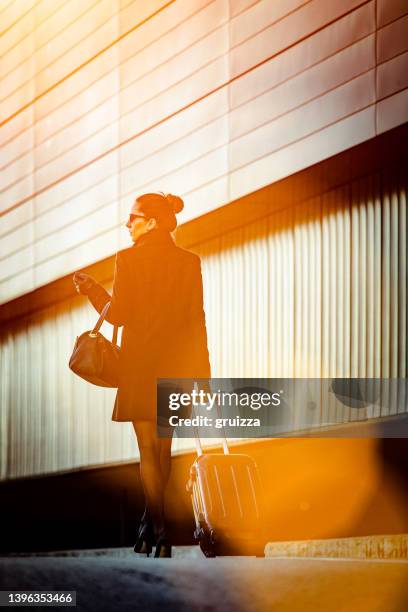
x,y
83,282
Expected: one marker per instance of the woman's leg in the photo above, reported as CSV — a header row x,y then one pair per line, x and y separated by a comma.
x,y
164,457
154,456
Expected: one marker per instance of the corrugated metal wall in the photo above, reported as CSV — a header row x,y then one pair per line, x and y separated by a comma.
x,y
317,289
208,98
314,290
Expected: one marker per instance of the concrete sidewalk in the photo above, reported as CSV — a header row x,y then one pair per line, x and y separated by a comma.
x,y
363,547
120,580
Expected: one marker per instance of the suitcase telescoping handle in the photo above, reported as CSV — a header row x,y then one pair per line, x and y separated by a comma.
x,y
197,440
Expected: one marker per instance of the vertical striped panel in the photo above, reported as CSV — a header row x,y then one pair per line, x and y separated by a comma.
x,y
402,282
281,297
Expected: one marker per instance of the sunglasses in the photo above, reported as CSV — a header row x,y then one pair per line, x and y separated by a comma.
x,y
132,217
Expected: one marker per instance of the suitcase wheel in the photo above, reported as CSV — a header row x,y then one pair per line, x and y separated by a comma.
x,y
207,546
206,539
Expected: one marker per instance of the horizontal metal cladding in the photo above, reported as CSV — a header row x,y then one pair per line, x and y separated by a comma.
x,y
317,289
210,99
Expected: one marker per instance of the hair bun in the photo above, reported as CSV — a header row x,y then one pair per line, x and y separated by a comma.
x,y
175,202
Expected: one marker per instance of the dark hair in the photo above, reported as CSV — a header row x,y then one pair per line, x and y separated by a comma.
x,y
162,207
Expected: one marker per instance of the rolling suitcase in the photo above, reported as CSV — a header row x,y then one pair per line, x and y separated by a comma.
x,y
227,503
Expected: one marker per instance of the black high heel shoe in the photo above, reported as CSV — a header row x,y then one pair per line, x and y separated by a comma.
x,y
145,539
163,547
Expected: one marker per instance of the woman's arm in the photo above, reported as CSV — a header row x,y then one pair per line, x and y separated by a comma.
x,y
98,296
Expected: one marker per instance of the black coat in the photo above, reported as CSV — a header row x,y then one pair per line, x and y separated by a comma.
x,y
158,298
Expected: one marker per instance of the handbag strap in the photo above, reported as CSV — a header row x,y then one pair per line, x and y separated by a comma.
x,y
100,321
115,334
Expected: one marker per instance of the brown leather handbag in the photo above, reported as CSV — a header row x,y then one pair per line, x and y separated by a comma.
x,y
94,358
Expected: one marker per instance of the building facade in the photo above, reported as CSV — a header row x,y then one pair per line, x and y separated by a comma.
x,y
281,125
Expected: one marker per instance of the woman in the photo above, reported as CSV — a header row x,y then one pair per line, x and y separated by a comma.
x,y
158,298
